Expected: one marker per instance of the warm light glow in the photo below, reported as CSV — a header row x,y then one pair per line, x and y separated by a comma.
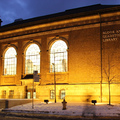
x,y
52,94
58,57
62,94
10,62
32,59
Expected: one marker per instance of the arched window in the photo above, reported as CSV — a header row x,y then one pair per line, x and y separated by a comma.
x,y
10,61
58,57
32,59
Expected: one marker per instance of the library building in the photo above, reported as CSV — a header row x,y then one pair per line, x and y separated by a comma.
x,y
72,55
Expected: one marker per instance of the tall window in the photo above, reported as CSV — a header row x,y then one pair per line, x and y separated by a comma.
x,y
62,94
10,62
58,57
52,94
32,59
11,93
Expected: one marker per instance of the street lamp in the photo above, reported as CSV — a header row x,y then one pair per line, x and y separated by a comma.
x,y
54,81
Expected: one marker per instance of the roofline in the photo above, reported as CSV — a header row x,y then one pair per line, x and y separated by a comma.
x,y
68,14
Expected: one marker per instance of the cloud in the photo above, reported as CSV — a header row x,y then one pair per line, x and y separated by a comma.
x,y
21,3
14,9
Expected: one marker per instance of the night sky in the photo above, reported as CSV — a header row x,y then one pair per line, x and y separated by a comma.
x,y
25,9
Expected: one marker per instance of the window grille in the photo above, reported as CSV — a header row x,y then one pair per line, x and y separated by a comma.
x,y
58,57
52,94
32,59
58,62
11,93
3,94
62,94
10,62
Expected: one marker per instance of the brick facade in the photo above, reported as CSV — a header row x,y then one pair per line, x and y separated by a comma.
x,y
93,41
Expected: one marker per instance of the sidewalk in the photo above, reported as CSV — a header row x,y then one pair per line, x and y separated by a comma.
x,y
75,110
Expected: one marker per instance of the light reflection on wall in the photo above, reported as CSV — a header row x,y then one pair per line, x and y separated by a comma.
x,y
32,59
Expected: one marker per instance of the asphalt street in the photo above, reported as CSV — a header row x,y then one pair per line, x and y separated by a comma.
x,y
9,117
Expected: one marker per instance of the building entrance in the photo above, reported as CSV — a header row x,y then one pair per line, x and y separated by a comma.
x,y
31,94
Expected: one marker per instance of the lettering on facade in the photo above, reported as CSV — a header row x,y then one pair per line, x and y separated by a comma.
x,y
110,35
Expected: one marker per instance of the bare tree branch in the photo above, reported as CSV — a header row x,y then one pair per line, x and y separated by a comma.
x,y
112,78
105,72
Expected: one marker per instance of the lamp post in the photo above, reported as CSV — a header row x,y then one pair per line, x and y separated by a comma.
x,y
54,82
54,79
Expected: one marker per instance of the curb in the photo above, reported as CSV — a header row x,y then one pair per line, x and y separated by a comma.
x,y
40,116
46,115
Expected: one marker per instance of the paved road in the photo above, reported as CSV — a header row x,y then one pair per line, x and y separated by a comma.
x,y
83,118
24,116
19,118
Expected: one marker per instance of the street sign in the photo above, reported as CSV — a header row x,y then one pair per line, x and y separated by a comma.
x,y
36,76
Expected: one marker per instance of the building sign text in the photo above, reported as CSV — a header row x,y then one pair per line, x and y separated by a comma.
x,y
110,35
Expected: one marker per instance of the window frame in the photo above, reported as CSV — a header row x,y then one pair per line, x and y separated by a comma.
x,y
61,57
31,56
11,94
11,59
3,94
61,95
52,94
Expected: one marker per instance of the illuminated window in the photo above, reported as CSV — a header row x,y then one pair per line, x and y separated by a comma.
x,y
62,94
32,59
52,94
10,62
4,94
11,93
58,57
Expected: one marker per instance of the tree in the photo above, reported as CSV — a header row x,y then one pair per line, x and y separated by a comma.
x,y
110,66
109,77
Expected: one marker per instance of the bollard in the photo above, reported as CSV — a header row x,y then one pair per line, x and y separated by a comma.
x,y
64,104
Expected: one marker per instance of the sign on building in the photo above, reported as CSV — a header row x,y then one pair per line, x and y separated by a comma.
x,y
36,76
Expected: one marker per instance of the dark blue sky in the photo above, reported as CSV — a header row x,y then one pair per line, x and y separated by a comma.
x,y
25,9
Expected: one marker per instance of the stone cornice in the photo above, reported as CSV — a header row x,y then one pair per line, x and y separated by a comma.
x,y
62,26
